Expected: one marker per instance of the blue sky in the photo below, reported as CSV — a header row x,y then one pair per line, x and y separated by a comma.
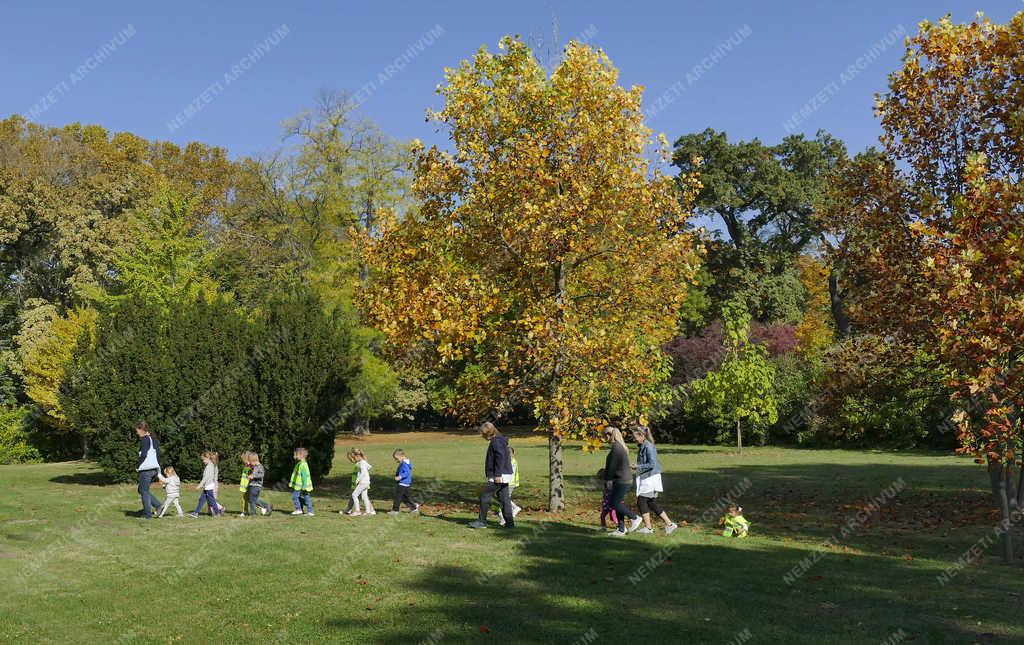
x,y
745,68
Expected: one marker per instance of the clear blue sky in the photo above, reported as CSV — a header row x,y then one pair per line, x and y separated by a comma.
x,y
169,53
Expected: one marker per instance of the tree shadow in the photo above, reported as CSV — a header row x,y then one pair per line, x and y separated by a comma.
x,y
97,478
548,583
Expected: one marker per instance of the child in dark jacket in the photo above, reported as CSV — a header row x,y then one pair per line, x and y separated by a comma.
x,y
403,484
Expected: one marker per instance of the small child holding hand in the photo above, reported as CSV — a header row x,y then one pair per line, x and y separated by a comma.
x,y
607,510
172,486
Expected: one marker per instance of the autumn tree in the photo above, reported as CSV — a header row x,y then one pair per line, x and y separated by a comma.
x,y
547,262
741,388
936,227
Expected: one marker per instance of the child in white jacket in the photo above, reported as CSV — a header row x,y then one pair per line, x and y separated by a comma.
x,y
172,486
360,483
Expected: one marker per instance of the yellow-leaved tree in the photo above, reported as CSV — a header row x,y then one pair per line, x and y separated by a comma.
x,y
548,260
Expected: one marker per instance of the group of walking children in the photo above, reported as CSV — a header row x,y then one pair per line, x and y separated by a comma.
x,y
619,477
252,478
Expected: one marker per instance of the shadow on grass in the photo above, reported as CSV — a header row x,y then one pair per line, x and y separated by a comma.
x,y
547,583
85,479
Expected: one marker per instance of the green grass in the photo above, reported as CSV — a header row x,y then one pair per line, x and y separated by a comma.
x,y
77,565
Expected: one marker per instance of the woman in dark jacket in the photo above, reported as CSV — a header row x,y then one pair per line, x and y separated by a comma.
x,y
618,479
498,470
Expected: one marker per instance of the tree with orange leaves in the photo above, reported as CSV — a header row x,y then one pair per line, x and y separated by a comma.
x,y
935,228
548,261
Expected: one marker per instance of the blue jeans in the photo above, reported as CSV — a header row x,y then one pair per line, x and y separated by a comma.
x,y
617,496
211,501
300,496
149,501
254,499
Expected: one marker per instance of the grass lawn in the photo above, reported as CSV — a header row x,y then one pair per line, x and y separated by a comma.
x,y
79,567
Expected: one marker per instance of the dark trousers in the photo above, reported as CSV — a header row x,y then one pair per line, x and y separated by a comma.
x,y
648,505
403,494
504,495
149,501
617,496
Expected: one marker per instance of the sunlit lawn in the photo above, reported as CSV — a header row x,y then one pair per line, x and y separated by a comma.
x,y
79,567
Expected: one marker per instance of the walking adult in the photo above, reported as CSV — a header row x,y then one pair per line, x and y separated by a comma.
x,y
148,467
499,473
648,480
618,480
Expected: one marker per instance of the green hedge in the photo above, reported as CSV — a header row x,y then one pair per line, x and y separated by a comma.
x,y
207,376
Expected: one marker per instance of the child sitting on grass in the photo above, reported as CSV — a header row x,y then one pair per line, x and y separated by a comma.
x,y
607,511
360,484
243,484
302,483
403,484
735,524
172,486
208,485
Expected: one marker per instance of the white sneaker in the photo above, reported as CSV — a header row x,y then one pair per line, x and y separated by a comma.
x,y
515,510
355,513
616,533
297,513
635,524
241,515
370,513
501,520
645,531
670,528
416,511
309,514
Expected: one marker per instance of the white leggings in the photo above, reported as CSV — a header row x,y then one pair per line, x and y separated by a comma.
x,y
361,491
167,505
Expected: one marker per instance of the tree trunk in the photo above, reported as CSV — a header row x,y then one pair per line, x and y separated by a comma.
x,y
839,313
556,480
739,437
998,474
1012,489
1020,490
361,428
85,447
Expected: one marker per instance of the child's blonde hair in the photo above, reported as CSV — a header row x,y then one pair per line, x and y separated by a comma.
x,y
356,453
212,456
245,456
398,453
169,471
254,458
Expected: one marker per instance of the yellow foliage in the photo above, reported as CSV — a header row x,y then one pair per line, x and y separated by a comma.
x,y
548,258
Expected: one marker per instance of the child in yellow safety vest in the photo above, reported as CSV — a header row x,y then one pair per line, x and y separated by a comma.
x,y
243,484
735,525
301,483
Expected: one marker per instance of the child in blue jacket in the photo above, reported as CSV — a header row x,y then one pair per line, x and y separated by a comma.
x,y
403,484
